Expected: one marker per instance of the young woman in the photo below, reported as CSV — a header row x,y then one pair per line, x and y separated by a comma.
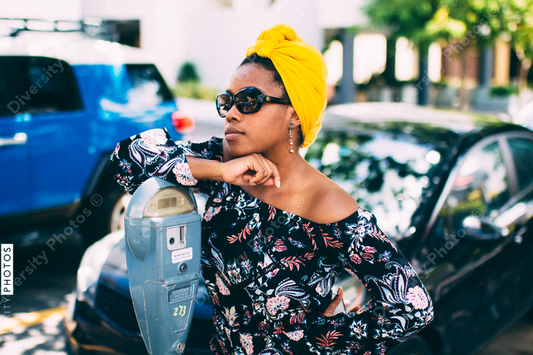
x,y
277,231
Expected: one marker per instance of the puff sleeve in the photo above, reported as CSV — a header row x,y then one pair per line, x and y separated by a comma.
x,y
399,306
154,154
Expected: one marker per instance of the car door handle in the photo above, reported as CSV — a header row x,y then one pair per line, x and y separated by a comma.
x,y
18,139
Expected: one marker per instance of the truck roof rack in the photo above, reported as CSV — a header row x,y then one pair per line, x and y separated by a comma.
x,y
90,26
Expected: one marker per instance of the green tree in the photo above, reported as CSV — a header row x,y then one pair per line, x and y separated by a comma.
x,y
465,24
402,18
406,18
461,23
518,24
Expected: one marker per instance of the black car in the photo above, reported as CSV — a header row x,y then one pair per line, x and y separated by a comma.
x,y
453,190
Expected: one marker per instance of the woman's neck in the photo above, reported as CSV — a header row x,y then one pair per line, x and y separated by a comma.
x,y
292,169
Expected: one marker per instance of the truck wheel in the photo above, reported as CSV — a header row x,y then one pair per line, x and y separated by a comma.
x,y
118,213
107,214
413,346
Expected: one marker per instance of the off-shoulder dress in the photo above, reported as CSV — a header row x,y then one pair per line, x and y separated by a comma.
x,y
270,273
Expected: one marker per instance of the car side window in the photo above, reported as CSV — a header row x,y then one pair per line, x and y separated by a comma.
x,y
522,151
39,85
480,188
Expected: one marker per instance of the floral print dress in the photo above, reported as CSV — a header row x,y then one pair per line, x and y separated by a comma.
x,y
269,273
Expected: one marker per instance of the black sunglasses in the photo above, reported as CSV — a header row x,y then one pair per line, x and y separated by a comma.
x,y
247,100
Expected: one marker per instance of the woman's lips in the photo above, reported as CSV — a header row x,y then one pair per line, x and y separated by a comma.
x,y
232,134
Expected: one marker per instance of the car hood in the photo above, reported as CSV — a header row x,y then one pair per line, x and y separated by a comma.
x,y
114,272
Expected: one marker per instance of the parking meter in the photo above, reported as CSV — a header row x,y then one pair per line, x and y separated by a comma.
x,y
163,241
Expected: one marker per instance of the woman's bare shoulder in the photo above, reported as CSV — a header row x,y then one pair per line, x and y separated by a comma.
x,y
330,203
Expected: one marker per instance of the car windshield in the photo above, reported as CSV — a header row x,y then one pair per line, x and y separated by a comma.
x,y
387,172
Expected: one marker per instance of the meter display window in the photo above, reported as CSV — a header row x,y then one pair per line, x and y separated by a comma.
x,y
169,202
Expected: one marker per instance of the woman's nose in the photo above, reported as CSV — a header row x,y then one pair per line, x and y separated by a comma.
x,y
233,114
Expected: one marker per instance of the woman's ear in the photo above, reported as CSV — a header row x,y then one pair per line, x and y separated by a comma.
x,y
294,120
296,125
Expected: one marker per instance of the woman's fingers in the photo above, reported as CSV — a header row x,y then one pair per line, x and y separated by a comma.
x,y
270,174
260,168
354,307
266,171
252,170
330,311
356,304
276,177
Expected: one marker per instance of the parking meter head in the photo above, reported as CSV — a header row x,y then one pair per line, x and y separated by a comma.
x,y
162,228
165,199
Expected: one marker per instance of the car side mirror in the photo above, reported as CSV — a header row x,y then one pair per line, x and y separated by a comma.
x,y
478,228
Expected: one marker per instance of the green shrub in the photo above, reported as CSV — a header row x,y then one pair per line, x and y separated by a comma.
x,y
188,73
503,90
195,90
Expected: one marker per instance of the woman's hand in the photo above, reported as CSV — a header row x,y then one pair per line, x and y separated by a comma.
x,y
250,170
330,311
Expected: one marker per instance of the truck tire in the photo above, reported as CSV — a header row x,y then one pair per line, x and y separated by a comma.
x,y
107,211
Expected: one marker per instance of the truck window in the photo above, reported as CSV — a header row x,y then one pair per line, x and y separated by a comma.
x,y
38,85
148,84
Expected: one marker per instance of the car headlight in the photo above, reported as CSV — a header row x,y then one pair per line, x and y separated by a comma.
x,y
91,264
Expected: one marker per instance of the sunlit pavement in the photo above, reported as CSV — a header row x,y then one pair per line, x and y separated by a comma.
x,y
31,320
36,333
41,333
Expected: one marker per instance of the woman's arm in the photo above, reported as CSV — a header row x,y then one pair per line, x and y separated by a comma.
x,y
252,169
154,154
400,305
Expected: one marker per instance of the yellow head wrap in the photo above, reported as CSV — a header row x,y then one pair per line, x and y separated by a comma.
x,y
303,71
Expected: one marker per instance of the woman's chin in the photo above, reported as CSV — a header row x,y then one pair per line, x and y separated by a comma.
x,y
238,150
243,147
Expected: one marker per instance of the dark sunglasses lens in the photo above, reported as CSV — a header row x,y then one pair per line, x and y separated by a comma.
x,y
248,101
223,104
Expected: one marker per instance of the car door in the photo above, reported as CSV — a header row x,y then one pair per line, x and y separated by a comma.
x,y
15,187
47,100
59,134
518,220
471,246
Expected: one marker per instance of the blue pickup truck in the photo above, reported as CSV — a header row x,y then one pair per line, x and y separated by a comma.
x,y
65,101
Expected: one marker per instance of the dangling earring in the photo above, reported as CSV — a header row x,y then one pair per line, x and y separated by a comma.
x,y
290,138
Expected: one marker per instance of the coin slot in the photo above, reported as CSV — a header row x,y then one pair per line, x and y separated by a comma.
x,y
176,237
